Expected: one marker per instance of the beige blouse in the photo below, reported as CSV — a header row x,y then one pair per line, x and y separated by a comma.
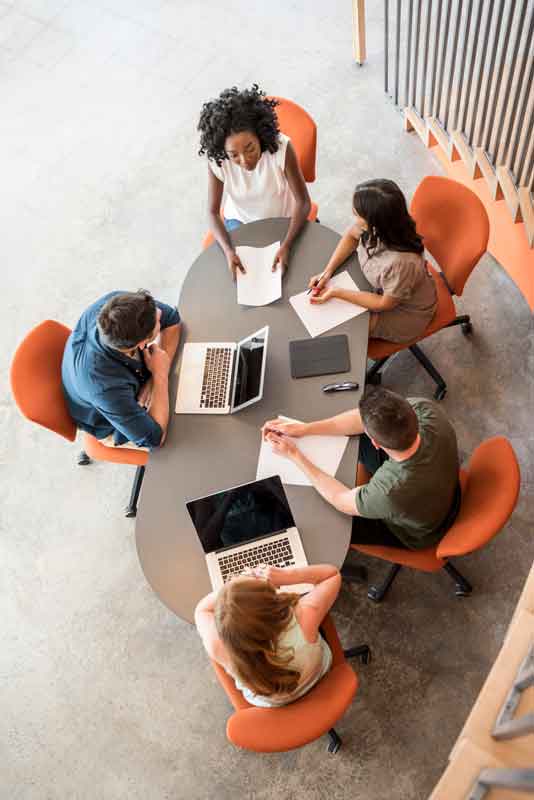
x,y
404,276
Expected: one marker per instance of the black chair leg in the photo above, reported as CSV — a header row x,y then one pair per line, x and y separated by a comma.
x,y
361,651
465,321
462,586
334,742
377,593
373,376
353,573
83,459
425,362
131,510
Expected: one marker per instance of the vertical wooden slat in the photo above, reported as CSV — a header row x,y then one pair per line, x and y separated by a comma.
x,y
463,57
444,42
416,52
435,58
408,55
498,78
489,81
358,31
453,63
470,72
524,168
478,85
386,46
421,108
514,164
397,51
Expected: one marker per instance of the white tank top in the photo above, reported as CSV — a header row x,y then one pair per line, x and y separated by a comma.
x,y
312,659
259,194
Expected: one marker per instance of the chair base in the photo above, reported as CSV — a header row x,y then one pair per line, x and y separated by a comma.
x,y
131,509
462,586
83,459
377,593
334,741
361,651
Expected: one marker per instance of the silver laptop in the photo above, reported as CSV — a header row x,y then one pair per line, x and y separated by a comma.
x,y
222,377
245,526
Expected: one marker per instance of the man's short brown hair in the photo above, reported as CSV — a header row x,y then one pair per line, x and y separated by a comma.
x,y
127,318
388,418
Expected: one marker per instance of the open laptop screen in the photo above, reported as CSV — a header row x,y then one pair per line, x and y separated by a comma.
x,y
237,515
250,369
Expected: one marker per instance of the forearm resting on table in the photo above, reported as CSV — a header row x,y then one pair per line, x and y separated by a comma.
x,y
159,406
170,339
315,573
349,423
369,300
332,490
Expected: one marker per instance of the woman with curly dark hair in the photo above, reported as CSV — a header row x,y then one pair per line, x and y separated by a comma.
x,y
391,255
254,164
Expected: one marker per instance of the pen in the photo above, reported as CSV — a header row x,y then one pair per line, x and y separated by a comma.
x,y
321,276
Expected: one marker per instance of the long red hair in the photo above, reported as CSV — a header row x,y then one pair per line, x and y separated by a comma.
x,y
250,616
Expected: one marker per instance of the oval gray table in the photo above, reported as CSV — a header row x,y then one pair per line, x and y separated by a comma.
x,y
204,454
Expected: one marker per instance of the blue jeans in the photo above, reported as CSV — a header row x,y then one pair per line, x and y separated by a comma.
x,y
231,224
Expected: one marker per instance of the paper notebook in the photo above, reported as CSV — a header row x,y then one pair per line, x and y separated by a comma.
x,y
259,286
320,318
325,452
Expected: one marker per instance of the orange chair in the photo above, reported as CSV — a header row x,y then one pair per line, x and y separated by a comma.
x,y
274,730
455,228
37,389
490,488
302,130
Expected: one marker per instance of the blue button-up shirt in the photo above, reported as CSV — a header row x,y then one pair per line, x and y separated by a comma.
x,y
101,384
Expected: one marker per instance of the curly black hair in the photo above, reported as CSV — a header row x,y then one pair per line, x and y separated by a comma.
x,y
236,111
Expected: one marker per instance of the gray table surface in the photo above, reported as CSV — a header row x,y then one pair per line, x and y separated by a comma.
x,y
204,454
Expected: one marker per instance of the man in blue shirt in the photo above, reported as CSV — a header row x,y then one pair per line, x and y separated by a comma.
x,y
115,377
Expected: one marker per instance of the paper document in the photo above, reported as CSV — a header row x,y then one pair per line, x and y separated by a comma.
x,y
325,452
259,286
324,316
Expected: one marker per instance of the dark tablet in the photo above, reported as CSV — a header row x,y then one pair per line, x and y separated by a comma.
x,y
321,356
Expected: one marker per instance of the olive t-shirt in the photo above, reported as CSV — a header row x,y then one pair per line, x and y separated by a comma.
x,y
414,496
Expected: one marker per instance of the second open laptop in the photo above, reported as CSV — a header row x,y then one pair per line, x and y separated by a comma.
x,y
222,377
246,526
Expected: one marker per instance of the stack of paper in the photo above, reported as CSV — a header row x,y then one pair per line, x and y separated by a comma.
x,y
259,286
324,316
325,452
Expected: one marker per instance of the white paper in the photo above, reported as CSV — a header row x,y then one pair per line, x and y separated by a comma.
x,y
325,452
259,286
324,316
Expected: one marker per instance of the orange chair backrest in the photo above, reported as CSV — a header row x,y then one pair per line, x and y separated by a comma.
x,y
36,378
302,130
454,225
489,498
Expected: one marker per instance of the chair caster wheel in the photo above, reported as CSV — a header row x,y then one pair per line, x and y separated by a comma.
x,y
334,742
317,220
333,747
130,512
83,459
374,594
460,592
374,380
365,656
440,392
467,328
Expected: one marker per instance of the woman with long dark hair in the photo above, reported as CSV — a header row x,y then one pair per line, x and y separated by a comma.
x,y
269,640
391,255
254,164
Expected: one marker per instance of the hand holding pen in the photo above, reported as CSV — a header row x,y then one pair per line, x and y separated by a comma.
x,y
318,282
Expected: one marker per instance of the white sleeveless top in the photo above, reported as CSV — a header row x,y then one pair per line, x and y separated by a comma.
x,y
259,194
312,660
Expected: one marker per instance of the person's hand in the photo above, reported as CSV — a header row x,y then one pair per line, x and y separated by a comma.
x,y
282,445
144,397
323,296
265,572
234,264
318,282
294,429
157,360
281,259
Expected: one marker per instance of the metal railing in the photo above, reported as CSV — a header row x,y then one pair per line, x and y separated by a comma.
x,y
470,65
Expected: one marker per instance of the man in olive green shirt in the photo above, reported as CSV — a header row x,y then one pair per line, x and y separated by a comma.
x,y
409,449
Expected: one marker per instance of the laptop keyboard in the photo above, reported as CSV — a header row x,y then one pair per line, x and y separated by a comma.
x,y
276,553
215,378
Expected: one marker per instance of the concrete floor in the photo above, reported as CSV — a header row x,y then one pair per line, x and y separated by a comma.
x,y
105,694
